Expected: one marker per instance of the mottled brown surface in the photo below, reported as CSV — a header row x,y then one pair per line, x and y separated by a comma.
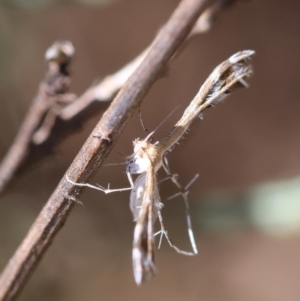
x,y
252,137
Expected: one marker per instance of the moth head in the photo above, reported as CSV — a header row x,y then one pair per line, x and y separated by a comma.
x,y
138,162
145,154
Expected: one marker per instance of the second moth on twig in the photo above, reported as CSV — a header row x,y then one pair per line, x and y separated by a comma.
x,y
148,158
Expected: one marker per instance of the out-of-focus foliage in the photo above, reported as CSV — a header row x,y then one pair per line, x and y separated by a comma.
x,y
30,4
96,2
275,208
223,212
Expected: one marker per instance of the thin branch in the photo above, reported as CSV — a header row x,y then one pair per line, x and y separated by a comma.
x,y
97,147
51,95
104,91
45,108
111,84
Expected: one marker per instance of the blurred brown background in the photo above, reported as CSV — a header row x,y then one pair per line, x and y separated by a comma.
x,y
247,231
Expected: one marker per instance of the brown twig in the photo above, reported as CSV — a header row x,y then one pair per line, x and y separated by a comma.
x,y
111,84
46,108
40,117
97,147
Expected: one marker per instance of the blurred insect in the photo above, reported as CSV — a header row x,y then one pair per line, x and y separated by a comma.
x,y
149,157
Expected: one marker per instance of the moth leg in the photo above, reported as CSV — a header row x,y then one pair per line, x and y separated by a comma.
x,y
163,232
143,252
101,188
184,193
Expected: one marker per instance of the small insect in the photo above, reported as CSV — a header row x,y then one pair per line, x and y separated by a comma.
x,y
149,157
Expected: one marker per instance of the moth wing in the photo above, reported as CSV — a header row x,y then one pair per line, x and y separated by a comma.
x,y
143,241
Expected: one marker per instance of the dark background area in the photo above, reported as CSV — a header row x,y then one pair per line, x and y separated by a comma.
x,y
245,205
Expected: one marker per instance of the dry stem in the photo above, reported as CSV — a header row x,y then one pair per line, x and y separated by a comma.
x,y
38,122
104,91
111,84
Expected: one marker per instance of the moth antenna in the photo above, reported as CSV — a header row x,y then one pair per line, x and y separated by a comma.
x,y
149,138
142,122
165,119
123,157
150,135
